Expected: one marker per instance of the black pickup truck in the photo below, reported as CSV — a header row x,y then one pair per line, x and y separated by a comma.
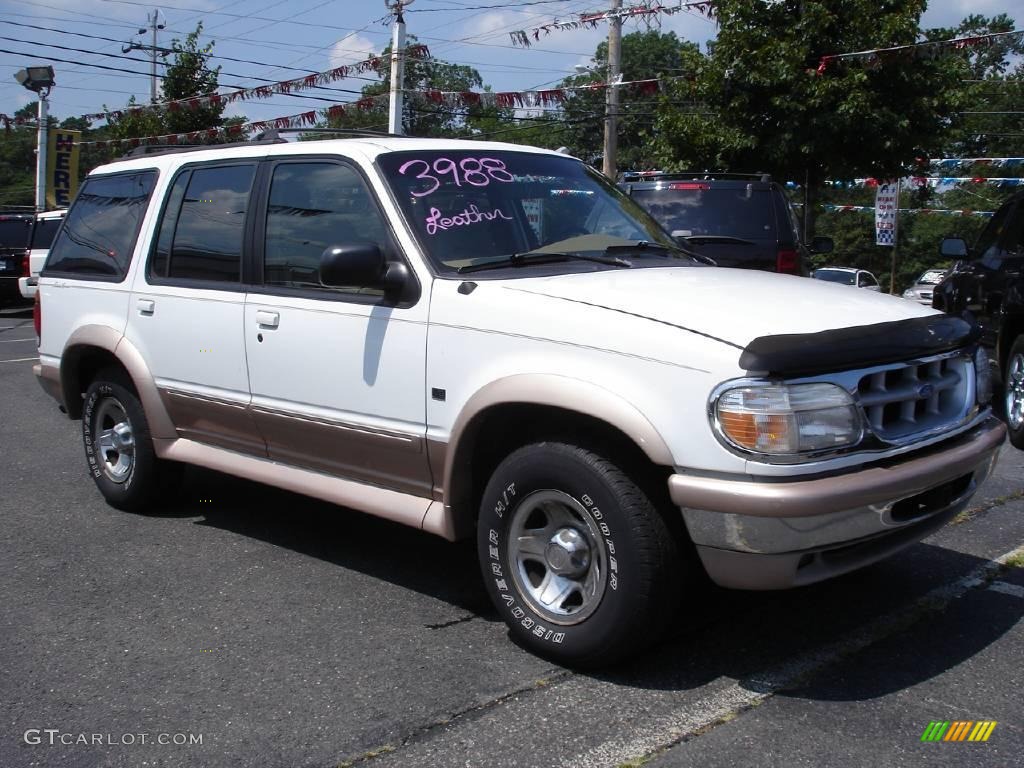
x,y
986,286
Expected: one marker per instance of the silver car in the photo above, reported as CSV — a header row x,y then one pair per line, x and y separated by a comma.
x,y
921,290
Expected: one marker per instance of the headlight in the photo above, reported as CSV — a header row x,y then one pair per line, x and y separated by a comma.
x,y
787,419
909,294
982,376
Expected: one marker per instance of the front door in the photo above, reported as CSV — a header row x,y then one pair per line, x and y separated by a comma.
x,y
337,375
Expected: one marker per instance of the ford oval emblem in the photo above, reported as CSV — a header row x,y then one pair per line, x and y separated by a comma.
x,y
926,390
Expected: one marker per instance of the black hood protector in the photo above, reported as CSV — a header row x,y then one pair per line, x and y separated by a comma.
x,y
861,346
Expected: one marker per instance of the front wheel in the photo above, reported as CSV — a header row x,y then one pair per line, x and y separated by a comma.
x,y
577,559
1013,392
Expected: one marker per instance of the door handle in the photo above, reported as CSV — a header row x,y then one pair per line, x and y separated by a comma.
x,y
266,319
146,306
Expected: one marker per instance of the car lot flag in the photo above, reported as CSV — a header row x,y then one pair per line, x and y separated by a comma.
x,y
887,203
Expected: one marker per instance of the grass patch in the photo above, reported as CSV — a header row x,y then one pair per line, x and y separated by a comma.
x,y
1017,561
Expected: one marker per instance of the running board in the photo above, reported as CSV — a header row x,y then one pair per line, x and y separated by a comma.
x,y
414,511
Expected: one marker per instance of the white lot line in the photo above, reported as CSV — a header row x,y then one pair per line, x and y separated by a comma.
x,y
20,359
698,717
14,341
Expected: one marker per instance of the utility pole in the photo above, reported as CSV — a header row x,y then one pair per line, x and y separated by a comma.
x,y
611,107
395,104
154,24
41,144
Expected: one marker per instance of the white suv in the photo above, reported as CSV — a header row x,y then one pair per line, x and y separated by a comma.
x,y
45,229
486,339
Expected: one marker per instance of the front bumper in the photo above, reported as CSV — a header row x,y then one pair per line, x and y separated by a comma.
x,y
774,535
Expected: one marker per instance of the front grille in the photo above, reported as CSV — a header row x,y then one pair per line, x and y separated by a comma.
x,y
926,295
903,400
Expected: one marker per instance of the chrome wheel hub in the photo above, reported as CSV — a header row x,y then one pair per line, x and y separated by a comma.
x,y
115,441
557,557
1015,391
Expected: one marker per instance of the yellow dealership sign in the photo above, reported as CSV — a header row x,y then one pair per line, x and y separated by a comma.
x,y
61,167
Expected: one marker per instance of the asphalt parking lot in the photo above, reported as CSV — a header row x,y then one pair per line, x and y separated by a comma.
x,y
261,628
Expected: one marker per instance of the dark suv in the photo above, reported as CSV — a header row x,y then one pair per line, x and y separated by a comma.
x,y
986,286
738,220
15,235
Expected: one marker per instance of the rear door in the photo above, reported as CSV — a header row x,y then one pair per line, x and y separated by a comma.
x,y
187,307
337,375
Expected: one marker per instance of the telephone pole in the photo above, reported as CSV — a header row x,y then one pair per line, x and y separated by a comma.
x,y
611,107
395,103
154,24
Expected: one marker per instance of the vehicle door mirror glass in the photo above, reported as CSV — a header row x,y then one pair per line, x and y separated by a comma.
x,y
953,248
353,264
822,245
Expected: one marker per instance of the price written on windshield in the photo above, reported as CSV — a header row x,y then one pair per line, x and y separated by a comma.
x,y
474,171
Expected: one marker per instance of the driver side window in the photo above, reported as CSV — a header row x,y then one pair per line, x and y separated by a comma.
x,y
314,205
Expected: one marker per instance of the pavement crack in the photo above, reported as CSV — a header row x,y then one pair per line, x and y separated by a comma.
x,y
452,623
973,512
428,731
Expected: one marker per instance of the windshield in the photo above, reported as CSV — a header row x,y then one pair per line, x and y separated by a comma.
x,y
470,207
692,208
42,235
835,276
932,277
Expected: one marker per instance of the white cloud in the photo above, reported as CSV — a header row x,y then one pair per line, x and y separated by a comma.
x,y
351,49
491,22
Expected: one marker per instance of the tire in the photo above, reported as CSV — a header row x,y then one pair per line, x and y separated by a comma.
x,y
118,446
577,560
1013,393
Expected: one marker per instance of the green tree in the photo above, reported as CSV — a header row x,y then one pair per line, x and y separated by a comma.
x,y
645,55
773,110
421,117
187,74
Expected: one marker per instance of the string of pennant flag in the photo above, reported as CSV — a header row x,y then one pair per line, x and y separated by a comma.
x,y
193,103
522,37
918,211
930,48
922,181
503,99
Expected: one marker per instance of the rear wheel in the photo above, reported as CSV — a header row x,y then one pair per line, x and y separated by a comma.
x,y
578,561
118,446
1013,392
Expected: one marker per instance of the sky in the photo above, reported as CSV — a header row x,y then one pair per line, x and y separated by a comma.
x,y
281,37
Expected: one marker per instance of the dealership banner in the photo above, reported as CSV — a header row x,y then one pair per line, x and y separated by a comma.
x,y
61,167
887,204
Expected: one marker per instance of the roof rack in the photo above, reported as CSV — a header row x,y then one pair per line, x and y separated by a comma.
x,y
691,175
274,133
170,149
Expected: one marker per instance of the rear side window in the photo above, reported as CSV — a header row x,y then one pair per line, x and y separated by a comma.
x,y
102,226
203,225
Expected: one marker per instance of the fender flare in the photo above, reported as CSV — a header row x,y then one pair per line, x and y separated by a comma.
x,y
570,394
113,341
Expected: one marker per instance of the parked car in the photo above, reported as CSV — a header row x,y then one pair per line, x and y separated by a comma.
x,y
921,290
15,234
46,226
739,220
858,278
490,340
986,286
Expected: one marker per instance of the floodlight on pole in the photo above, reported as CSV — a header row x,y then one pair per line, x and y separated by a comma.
x,y
39,80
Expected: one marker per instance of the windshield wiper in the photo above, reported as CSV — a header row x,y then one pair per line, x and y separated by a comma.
x,y
544,257
724,239
669,252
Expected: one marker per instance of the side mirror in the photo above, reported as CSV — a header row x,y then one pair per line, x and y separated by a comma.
x,y
822,245
953,248
361,264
